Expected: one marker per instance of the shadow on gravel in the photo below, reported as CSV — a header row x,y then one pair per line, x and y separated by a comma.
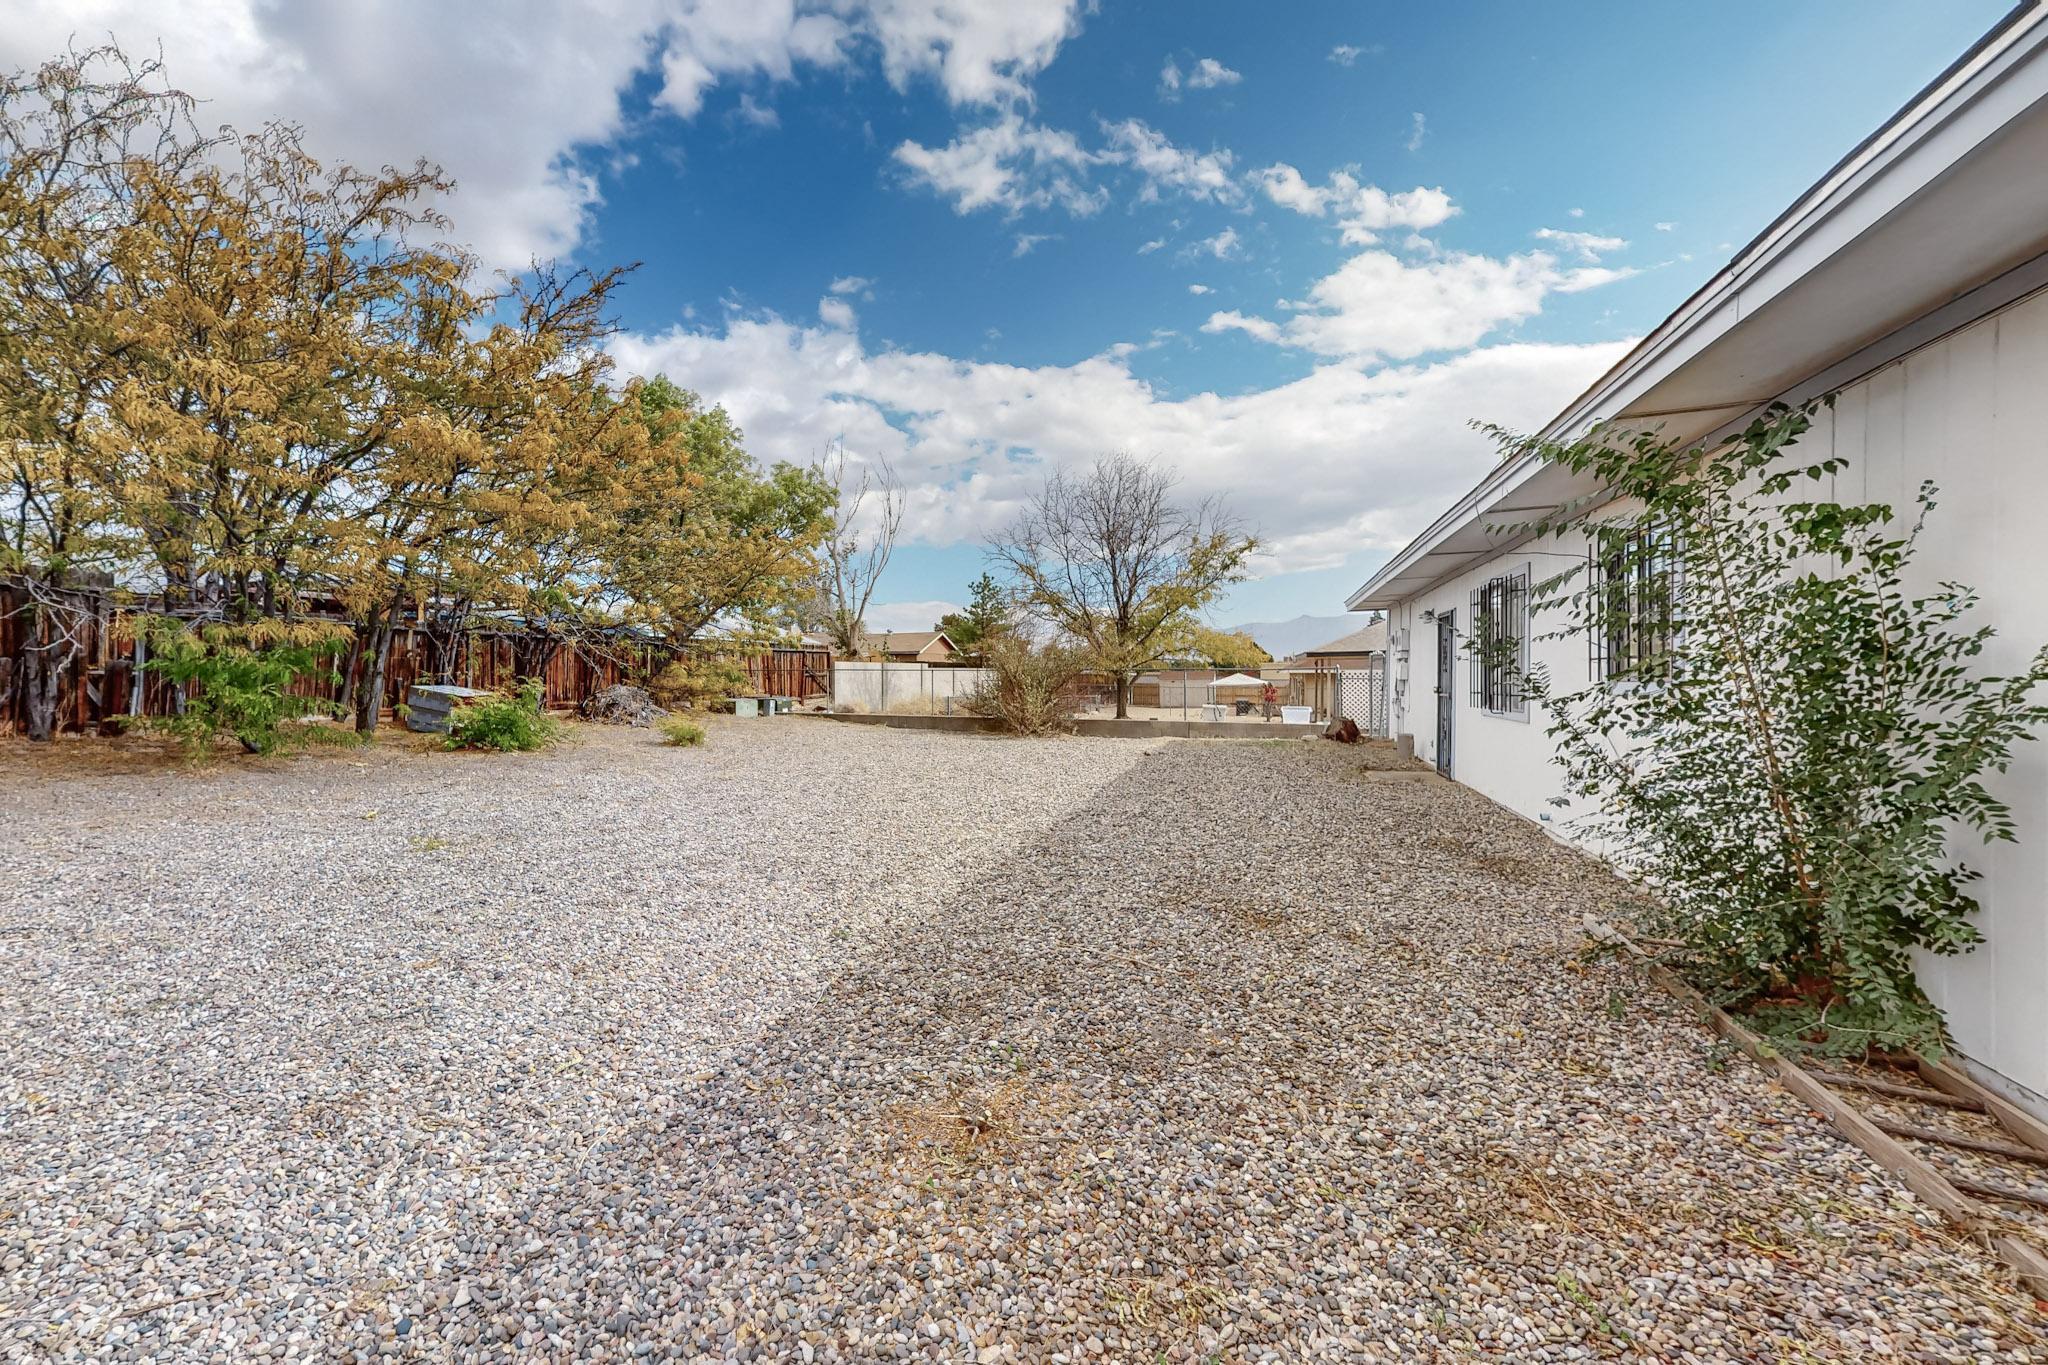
x,y
1256,1054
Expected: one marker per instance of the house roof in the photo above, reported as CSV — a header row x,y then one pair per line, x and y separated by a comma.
x,y
1936,219
904,641
1368,639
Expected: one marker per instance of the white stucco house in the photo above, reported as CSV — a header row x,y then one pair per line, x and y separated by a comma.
x,y
1912,280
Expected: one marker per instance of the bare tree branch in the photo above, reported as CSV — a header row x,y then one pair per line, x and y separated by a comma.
x,y
856,551
1110,559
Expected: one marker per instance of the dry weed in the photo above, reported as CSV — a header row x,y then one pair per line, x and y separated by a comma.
x,y
972,1123
1151,1302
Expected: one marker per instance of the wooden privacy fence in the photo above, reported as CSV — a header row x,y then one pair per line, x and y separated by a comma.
x,y
100,686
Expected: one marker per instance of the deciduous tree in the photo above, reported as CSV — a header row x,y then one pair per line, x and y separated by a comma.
x,y
866,516
1112,560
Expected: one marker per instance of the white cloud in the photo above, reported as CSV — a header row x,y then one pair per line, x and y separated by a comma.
x,y
1347,54
709,41
1369,454
518,100
834,311
1284,186
752,111
1224,246
1377,305
1014,165
1199,289
1167,168
1148,248
908,615
978,53
1416,132
1008,164
1667,227
1587,246
1363,211
1575,213
385,82
854,284
1169,80
1028,242
1592,277
1233,321
1209,74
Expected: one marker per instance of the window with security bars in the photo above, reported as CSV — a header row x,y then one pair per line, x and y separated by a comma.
x,y
1500,644
1635,577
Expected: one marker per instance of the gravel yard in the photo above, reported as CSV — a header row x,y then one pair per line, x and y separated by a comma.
x,y
831,1042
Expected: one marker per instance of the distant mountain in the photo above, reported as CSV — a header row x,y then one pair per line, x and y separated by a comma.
x,y
1282,638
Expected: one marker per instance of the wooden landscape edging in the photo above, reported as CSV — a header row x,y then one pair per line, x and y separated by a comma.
x,y
1938,1191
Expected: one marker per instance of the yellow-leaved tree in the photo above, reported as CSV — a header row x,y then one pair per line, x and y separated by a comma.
x,y
240,386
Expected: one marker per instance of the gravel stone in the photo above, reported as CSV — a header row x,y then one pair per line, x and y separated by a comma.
x,y
840,1043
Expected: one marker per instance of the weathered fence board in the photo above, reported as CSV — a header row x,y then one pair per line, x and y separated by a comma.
x,y
99,687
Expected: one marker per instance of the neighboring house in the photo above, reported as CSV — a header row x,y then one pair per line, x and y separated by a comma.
x,y
1363,648
910,647
1312,673
1911,280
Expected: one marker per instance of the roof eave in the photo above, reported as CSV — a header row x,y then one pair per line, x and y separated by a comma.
x,y
2022,28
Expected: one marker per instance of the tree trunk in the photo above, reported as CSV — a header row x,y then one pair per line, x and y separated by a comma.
x,y
43,673
376,653
531,652
346,701
45,663
1123,696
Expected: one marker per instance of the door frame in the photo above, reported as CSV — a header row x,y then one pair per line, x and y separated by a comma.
x,y
1446,688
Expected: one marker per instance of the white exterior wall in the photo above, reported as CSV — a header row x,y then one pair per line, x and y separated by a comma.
x,y
1969,412
1506,757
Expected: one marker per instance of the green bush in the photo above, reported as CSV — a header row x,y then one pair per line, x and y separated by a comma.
x,y
1791,740
513,724
682,732
236,683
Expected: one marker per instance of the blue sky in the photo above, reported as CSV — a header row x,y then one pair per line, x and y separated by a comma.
x,y
1287,250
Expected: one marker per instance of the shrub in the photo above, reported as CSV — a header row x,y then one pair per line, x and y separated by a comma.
x,y
682,732
697,680
1030,690
1803,738
236,681
509,724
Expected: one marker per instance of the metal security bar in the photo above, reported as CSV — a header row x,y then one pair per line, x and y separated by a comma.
x,y
1635,579
1500,644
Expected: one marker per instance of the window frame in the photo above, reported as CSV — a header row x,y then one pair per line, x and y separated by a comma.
x,y
1630,571
1499,684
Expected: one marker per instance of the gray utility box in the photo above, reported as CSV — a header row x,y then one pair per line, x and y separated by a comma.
x,y
428,706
